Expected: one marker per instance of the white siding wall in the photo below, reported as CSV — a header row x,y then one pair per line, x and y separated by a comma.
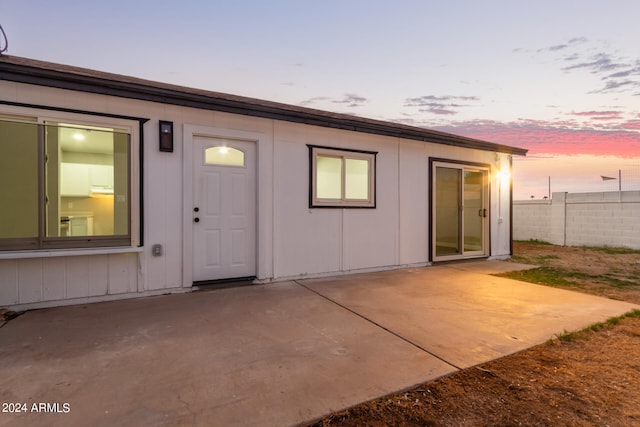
x,y
293,240
413,194
30,281
323,240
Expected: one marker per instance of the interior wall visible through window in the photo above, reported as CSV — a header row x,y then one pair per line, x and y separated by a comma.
x,y
342,178
64,184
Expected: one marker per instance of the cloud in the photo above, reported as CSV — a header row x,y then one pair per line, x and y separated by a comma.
x,y
593,113
544,137
572,57
599,115
438,111
612,85
598,63
554,48
631,124
427,100
578,40
352,100
627,73
439,105
603,64
558,47
349,99
314,100
618,73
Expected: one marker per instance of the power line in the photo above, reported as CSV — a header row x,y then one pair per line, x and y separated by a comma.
x,y
6,41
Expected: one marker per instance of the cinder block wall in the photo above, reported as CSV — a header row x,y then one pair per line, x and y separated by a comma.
x,y
581,219
531,220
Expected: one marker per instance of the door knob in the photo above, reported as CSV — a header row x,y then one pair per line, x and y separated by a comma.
x,y
196,209
196,219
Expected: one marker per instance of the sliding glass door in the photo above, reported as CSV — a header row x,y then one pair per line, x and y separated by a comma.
x,y
459,211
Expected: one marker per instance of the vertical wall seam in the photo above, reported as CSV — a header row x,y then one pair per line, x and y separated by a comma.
x,y
398,208
41,279
65,281
108,259
17,281
343,243
272,198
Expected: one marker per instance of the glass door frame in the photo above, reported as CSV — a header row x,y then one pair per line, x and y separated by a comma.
x,y
484,212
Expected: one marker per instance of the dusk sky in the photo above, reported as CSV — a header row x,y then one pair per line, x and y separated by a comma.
x,y
560,78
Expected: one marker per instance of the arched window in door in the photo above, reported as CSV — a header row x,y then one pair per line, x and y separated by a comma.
x,y
223,155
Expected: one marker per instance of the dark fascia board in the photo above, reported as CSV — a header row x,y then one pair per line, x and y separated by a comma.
x,y
42,73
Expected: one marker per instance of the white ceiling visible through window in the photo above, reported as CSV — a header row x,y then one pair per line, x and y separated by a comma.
x,y
85,139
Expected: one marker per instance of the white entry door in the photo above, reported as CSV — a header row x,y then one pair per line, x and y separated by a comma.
x,y
224,209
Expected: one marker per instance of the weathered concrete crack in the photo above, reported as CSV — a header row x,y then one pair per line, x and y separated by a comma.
x,y
7,315
373,322
188,407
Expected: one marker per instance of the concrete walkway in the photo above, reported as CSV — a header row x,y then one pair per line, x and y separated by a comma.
x,y
274,355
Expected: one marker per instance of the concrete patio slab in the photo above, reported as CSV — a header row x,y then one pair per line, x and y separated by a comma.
x,y
490,266
464,317
272,355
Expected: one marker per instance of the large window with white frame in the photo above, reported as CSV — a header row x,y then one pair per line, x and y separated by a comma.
x,y
63,184
342,178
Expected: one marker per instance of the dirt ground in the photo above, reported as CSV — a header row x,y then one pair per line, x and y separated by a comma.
x,y
582,379
607,272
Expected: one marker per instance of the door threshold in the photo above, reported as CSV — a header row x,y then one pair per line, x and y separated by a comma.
x,y
461,260
235,282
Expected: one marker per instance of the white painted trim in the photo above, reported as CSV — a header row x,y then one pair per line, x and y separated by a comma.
x,y
68,252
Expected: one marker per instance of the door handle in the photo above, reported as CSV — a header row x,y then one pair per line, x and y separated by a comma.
x,y
482,213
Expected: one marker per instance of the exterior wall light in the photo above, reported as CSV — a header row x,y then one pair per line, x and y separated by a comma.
x,y
503,176
166,136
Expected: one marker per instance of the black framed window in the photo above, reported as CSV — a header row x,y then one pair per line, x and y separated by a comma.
x,y
342,178
63,185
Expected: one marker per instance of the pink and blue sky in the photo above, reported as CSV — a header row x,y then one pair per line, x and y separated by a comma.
x,y
560,78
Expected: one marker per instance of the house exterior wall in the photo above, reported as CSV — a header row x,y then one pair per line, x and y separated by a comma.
x,y
581,219
293,240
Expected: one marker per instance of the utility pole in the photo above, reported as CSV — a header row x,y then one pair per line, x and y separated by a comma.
x,y
620,180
